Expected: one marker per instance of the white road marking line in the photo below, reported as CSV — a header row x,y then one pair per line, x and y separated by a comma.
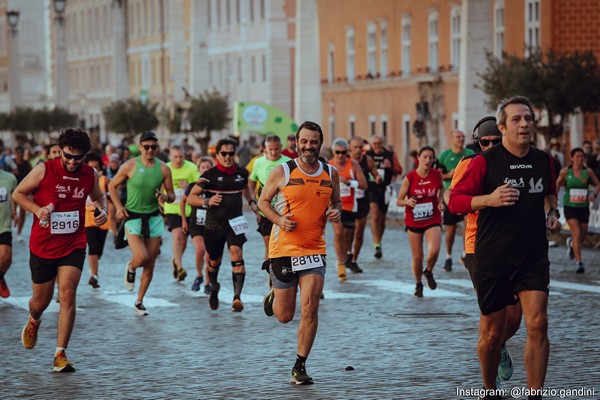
x,y
408,288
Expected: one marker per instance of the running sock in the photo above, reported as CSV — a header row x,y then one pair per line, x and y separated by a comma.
x,y
300,361
238,282
448,256
58,350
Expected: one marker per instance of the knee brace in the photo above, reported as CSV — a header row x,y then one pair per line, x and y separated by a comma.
x,y
237,263
214,268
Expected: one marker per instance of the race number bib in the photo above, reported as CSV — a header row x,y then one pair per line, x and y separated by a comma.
x,y
359,193
381,172
62,223
200,216
345,190
306,262
178,195
423,211
239,225
578,195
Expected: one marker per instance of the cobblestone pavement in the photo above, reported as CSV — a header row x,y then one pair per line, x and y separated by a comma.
x,y
400,347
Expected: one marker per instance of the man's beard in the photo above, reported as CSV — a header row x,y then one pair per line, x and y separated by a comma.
x,y
309,159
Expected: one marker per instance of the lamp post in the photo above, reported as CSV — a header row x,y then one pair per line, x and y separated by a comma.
x,y
12,18
61,98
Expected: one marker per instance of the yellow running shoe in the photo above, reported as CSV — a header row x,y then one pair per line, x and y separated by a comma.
x,y
61,364
342,272
30,333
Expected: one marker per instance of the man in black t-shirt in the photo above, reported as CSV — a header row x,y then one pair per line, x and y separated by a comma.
x,y
224,185
511,249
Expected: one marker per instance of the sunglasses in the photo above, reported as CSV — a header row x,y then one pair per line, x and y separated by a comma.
x,y
150,146
68,156
486,142
227,153
343,152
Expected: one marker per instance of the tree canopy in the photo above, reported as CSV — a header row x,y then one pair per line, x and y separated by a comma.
x,y
559,83
209,112
27,119
130,116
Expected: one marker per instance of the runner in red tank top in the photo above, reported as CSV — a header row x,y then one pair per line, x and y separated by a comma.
x,y
421,192
60,188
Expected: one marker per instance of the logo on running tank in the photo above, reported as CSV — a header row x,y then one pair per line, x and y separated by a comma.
x,y
515,183
521,166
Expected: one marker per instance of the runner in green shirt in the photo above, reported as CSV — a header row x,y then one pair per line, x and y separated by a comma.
x,y
260,172
183,172
447,162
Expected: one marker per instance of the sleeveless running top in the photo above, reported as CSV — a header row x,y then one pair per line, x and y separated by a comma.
x,y
68,192
425,190
576,194
307,197
142,186
347,193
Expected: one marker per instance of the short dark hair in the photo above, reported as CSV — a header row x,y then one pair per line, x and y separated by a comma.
x,y
501,113
76,138
425,148
311,126
576,150
93,157
225,142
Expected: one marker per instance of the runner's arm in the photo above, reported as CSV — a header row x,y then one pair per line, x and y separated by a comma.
x,y
562,177
360,176
269,190
122,174
27,186
402,200
169,196
373,170
396,167
334,211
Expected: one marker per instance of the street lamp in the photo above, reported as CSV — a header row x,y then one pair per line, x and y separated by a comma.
x,y
12,18
13,21
59,10
62,95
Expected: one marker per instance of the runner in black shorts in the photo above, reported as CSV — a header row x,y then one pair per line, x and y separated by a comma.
x,y
224,185
194,225
388,167
511,248
367,165
8,183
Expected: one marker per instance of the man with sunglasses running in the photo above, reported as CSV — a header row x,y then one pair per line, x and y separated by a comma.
x,y
224,186
486,135
55,192
144,225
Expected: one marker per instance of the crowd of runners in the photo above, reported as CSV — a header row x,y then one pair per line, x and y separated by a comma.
x,y
505,190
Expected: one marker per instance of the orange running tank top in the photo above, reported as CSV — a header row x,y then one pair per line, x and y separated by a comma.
x,y
307,197
347,193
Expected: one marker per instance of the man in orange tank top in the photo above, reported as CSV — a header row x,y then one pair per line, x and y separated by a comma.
x,y
307,194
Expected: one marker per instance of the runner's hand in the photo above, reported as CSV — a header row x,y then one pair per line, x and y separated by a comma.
x,y
286,224
101,218
333,214
503,196
184,226
553,224
215,200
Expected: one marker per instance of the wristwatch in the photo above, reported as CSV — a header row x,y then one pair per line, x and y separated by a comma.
x,y
555,211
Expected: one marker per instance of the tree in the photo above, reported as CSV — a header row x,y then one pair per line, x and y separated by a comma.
x,y
559,83
130,116
209,112
44,120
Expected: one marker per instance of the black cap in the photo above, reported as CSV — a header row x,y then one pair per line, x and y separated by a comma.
x,y
291,137
486,126
148,136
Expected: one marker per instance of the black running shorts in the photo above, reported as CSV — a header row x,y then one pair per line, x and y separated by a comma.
x,y
282,276
44,270
215,242
6,238
96,238
581,214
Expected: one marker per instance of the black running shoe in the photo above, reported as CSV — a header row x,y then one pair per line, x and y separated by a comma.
x,y
175,271
419,290
430,280
300,377
94,282
353,266
268,303
448,265
378,251
213,300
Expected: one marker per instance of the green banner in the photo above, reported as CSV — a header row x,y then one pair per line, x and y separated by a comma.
x,y
262,118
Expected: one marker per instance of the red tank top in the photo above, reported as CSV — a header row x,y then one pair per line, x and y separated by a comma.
x,y
68,192
425,190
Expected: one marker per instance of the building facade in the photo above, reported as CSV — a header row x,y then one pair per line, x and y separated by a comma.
x,y
408,71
